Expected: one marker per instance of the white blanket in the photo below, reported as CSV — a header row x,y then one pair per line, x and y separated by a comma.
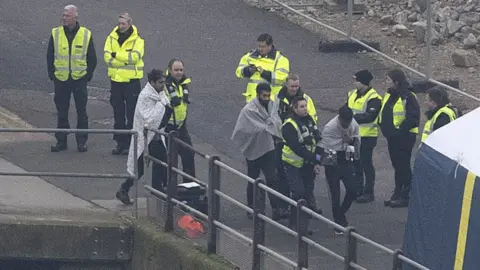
x,y
149,112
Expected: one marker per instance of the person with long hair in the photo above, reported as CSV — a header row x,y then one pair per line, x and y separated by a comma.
x,y
399,119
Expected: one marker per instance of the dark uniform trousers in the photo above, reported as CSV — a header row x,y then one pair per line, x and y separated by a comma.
x,y
123,98
266,165
343,171
364,169
156,149
187,155
283,186
302,184
62,96
400,151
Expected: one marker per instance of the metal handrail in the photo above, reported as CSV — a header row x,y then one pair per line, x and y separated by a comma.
x,y
350,261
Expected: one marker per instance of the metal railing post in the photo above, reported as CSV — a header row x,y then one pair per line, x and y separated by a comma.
x,y
302,230
397,263
213,203
350,18
135,170
172,159
351,246
258,224
428,74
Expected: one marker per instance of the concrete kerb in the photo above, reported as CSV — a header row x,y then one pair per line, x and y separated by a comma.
x,y
153,247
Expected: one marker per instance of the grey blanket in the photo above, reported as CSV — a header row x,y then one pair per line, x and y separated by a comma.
x,y
254,129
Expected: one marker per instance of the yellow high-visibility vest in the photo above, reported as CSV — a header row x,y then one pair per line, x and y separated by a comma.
x,y
360,106
128,61
279,67
288,155
180,112
311,110
428,128
70,61
398,112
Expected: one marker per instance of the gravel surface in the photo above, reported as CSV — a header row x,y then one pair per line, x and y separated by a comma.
x,y
404,49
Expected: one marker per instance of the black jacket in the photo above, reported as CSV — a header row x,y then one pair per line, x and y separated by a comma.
x,y
91,54
412,113
290,136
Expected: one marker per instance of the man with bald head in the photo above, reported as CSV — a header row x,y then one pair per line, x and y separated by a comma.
x,y
71,61
123,54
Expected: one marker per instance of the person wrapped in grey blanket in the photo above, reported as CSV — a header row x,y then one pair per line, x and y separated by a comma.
x,y
257,126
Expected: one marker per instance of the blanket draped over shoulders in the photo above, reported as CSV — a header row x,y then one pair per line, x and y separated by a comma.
x,y
255,128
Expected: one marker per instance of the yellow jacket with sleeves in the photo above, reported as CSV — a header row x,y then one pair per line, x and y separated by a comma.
x,y
128,61
275,71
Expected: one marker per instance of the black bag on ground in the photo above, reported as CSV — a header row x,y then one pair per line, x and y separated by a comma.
x,y
194,195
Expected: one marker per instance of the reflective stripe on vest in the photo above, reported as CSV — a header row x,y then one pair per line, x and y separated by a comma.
x,y
428,128
70,60
288,155
255,79
398,112
180,111
360,106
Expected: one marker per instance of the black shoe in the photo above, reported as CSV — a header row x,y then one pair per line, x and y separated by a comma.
x,y
402,202
337,231
82,148
394,197
120,150
365,198
59,147
122,195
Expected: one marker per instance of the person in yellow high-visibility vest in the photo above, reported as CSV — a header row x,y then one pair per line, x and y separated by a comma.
x,y
439,111
123,54
266,64
177,89
365,103
399,119
71,61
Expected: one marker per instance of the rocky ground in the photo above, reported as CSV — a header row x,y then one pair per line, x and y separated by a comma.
x,y
400,28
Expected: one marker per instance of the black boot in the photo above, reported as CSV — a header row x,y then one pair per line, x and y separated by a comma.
x,y
279,214
59,147
366,198
399,203
394,197
120,150
122,195
82,148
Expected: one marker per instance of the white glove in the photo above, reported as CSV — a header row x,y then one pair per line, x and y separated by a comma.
x,y
350,149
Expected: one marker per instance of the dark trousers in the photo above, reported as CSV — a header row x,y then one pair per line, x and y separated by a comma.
x,y
63,93
400,151
343,171
364,169
301,183
186,154
123,98
159,173
265,164
283,186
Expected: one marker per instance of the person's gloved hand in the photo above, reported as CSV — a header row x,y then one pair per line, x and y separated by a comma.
x,y
175,101
114,54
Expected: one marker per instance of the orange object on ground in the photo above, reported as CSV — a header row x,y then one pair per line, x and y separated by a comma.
x,y
193,227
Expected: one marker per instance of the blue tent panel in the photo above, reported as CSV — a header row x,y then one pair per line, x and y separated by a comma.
x,y
434,210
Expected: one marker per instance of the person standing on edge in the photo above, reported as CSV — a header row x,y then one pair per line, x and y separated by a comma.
x,y
342,135
152,111
283,101
257,125
439,111
266,64
365,103
177,89
399,119
301,156
123,54
71,61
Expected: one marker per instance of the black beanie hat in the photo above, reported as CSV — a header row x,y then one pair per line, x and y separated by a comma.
x,y
364,76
